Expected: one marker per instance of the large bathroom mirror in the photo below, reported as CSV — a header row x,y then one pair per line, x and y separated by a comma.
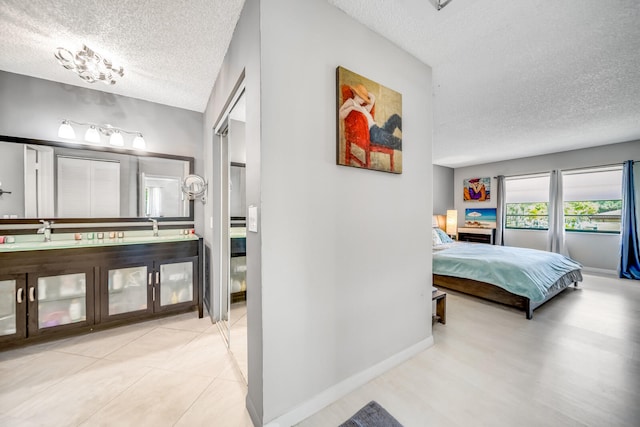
x,y
44,179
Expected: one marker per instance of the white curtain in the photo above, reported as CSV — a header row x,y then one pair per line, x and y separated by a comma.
x,y
500,211
556,241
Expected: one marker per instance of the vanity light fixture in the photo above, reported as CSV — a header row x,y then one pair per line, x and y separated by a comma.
x,y
89,65
94,131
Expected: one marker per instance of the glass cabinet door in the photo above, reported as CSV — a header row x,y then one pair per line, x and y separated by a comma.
x,y
176,283
12,308
60,299
127,290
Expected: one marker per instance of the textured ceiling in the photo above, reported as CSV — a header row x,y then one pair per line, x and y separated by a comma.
x,y
171,50
511,78
519,78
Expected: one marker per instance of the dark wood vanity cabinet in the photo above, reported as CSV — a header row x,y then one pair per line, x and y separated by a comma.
x,y
65,291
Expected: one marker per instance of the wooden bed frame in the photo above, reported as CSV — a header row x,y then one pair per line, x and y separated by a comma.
x,y
494,293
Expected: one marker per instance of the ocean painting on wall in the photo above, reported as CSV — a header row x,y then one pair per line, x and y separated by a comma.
x,y
480,218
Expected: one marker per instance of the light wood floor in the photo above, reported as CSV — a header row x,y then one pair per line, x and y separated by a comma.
x,y
577,363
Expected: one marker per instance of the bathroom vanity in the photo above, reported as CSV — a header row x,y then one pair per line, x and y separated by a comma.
x,y
68,286
99,260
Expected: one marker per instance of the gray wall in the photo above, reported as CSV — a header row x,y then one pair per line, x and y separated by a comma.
x,y
243,55
442,189
12,179
594,251
34,108
338,243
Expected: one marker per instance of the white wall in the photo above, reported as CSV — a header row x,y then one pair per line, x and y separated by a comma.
x,y
346,252
595,251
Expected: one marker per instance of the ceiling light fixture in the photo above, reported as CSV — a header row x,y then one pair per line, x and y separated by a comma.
x,y
441,3
89,65
94,131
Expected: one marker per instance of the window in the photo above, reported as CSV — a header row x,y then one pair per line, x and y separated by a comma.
x,y
527,202
593,200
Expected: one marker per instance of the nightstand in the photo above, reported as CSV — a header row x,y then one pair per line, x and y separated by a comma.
x,y
441,306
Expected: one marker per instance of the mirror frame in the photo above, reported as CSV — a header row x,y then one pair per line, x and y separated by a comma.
x,y
20,140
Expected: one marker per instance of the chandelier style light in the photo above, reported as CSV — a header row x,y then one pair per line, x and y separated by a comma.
x,y
94,131
89,65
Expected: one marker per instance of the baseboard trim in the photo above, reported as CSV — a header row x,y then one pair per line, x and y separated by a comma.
x,y
600,271
333,393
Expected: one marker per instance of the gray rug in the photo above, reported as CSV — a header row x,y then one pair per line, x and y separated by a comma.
x,y
372,415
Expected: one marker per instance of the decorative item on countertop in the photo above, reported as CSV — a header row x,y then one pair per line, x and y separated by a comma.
x,y
120,234
89,236
10,239
2,240
112,234
78,236
100,236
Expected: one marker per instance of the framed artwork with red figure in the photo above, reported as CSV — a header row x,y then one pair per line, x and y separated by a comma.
x,y
369,124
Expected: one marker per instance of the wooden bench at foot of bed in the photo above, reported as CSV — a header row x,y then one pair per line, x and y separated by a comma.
x,y
493,293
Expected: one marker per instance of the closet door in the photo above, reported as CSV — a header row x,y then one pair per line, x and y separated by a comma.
x,y
105,189
74,187
88,188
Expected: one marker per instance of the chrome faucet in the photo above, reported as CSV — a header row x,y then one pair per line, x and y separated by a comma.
x,y
45,229
155,226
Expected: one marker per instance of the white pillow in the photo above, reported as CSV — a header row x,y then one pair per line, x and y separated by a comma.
x,y
436,237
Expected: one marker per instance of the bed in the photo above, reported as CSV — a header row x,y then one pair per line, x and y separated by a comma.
x,y
518,277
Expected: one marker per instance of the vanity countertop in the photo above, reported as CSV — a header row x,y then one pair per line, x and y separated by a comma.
x,y
36,242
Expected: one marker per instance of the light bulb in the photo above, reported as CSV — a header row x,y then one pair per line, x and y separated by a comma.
x,y
139,143
116,139
92,135
66,131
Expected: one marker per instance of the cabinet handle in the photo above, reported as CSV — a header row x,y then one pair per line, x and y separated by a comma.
x,y
153,298
20,295
149,281
32,294
157,277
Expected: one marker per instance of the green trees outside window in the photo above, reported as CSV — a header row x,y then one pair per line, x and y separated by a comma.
x,y
600,216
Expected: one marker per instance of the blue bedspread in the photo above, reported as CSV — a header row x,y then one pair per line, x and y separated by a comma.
x,y
522,271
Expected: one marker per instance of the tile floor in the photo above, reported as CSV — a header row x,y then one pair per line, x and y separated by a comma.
x,y
174,371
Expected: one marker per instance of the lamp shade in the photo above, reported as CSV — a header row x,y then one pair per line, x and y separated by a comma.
x,y
66,131
92,135
452,222
139,143
116,139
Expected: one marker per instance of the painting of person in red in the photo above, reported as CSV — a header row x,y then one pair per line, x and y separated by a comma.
x,y
362,142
